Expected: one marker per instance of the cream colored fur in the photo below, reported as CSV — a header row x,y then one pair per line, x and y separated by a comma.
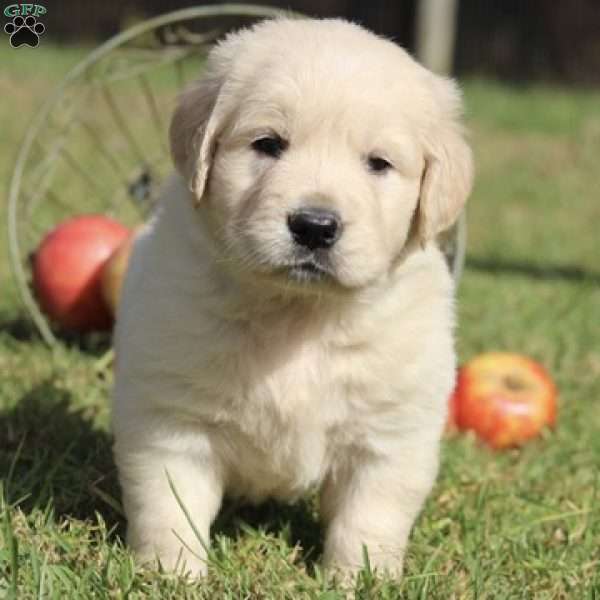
x,y
233,377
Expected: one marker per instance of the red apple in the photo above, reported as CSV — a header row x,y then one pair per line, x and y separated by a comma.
x,y
67,269
505,398
114,270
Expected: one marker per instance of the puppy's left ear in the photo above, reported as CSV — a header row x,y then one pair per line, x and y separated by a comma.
x,y
448,175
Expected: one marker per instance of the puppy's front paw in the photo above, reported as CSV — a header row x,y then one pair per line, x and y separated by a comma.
x,y
170,500
345,562
180,560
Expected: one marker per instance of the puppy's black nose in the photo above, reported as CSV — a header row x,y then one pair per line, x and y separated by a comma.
x,y
315,227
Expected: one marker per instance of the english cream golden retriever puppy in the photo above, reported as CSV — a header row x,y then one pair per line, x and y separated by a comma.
x,y
286,321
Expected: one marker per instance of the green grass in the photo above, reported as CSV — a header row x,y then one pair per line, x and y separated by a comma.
x,y
517,524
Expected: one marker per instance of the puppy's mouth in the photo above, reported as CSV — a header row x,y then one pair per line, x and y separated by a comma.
x,y
306,267
308,271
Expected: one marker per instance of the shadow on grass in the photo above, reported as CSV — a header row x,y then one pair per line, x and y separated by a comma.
x,y
51,455
536,271
296,523
22,329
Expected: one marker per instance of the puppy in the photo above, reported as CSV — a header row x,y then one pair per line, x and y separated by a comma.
x,y
286,321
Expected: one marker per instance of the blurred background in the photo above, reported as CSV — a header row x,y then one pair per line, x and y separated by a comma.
x,y
519,40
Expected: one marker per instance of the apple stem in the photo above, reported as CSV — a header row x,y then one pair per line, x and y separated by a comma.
x,y
514,383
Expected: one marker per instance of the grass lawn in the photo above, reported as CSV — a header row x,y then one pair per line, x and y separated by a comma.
x,y
518,524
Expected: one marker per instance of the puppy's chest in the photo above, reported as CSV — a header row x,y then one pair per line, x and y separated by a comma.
x,y
285,414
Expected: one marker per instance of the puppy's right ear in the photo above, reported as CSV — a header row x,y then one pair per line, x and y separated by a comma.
x,y
193,133
201,114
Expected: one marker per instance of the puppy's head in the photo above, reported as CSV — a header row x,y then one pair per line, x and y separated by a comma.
x,y
319,151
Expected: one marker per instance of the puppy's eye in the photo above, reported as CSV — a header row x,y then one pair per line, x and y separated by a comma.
x,y
272,146
378,164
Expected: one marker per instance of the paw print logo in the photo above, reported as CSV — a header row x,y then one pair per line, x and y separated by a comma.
x,y
24,31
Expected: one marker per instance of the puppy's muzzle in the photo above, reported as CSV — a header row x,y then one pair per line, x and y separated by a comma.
x,y
315,228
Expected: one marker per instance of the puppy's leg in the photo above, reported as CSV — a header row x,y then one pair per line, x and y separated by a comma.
x,y
374,502
157,525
